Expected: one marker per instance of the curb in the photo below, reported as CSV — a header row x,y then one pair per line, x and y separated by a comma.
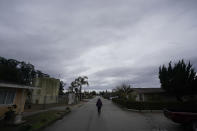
x,y
140,111
145,111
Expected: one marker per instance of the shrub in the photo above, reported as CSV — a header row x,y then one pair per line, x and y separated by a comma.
x,y
10,115
155,105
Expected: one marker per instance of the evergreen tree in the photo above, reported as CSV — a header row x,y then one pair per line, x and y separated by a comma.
x,y
179,80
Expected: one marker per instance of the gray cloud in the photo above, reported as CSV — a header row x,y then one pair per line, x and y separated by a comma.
x,y
110,41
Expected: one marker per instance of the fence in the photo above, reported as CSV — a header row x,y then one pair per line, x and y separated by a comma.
x,y
42,102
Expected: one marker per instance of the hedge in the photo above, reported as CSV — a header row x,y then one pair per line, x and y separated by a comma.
x,y
155,105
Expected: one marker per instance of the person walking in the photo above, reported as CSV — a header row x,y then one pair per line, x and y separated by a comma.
x,y
99,104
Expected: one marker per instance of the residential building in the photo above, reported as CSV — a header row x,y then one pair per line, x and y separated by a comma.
x,y
13,94
150,94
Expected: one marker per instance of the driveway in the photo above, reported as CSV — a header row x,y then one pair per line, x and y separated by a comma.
x,y
112,118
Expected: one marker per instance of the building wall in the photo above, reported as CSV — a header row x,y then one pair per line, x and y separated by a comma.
x,y
19,101
134,96
3,109
151,97
49,91
162,97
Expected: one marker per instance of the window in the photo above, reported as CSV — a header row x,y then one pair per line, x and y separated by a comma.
x,y
7,96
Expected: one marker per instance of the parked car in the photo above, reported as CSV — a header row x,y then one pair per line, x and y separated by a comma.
x,y
185,117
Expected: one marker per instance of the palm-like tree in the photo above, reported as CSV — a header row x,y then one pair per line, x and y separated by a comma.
x,y
79,82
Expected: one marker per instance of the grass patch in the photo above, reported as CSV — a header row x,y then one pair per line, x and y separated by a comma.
x,y
42,120
37,122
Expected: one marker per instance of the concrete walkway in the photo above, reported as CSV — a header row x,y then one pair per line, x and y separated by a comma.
x,y
112,118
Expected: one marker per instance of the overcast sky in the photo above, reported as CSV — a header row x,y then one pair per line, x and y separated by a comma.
x,y
110,41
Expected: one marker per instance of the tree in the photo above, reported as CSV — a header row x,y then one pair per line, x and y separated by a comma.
x,y
14,71
8,70
179,80
93,93
61,88
27,73
79,82
122,91
70,89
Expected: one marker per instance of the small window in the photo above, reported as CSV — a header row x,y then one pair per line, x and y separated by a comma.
x,y
7,96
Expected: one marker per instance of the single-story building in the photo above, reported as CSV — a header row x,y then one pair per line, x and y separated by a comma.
x,y
13,94
48,92
150,94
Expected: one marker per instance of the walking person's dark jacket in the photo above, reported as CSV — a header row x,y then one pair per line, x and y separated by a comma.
x,y
99,103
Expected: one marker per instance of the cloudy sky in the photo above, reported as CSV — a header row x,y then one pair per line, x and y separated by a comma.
x,y
110,41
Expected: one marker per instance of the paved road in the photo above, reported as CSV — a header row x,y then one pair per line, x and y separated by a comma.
x,y
112,118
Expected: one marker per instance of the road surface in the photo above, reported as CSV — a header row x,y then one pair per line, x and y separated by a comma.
x,y
112,118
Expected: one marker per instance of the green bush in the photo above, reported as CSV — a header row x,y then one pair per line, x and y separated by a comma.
x,y
154,105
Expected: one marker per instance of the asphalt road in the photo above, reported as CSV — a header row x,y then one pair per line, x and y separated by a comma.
x,y
112,118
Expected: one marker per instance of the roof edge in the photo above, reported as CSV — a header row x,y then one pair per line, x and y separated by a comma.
x,y
17,86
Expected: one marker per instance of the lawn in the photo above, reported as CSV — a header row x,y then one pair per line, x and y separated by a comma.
x,y
38,121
